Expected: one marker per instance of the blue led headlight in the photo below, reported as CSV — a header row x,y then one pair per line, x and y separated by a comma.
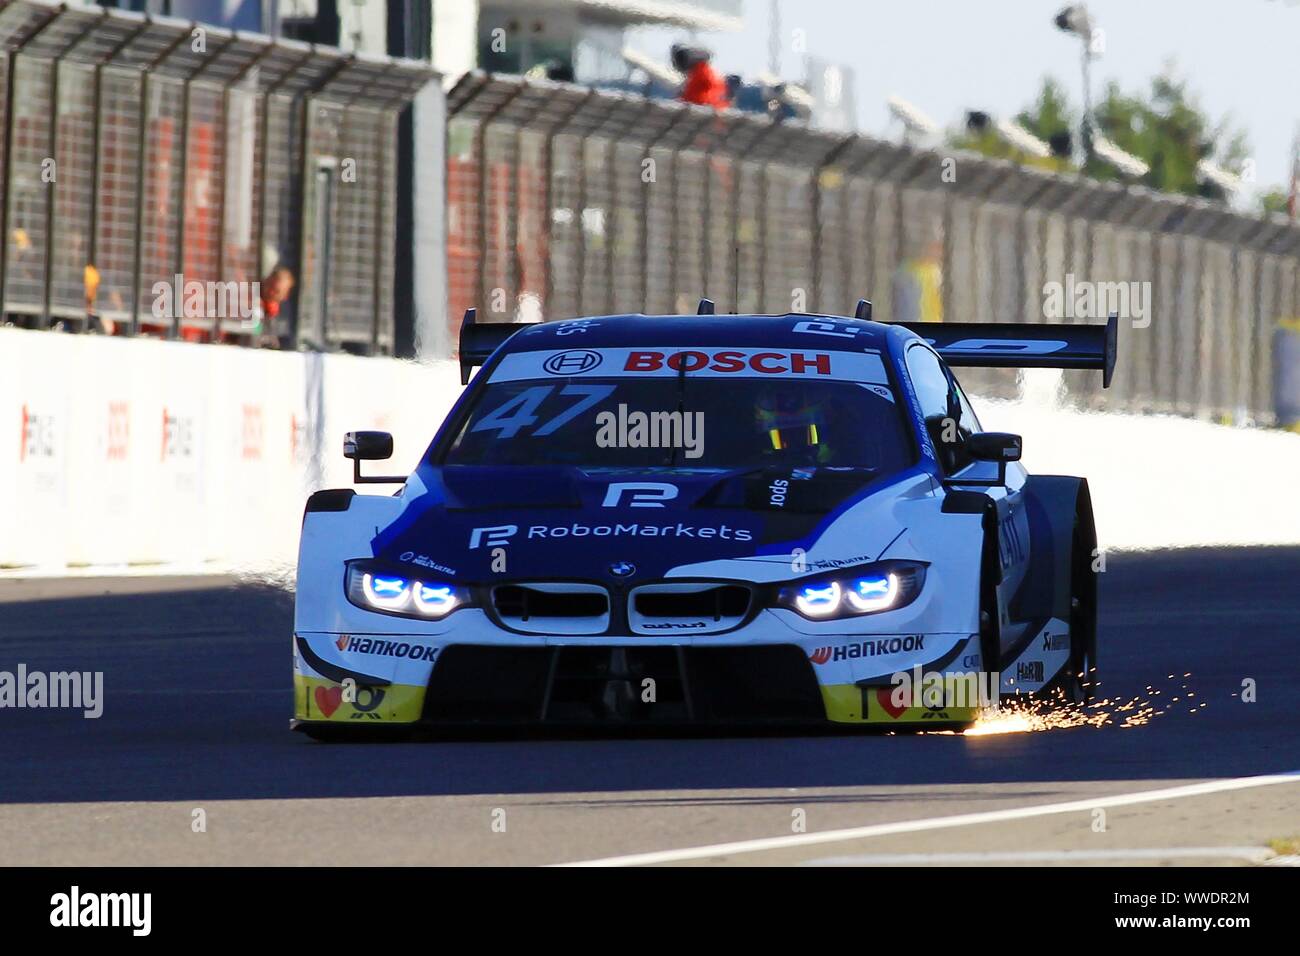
x,y
821,599
385,591
853,591
873,592
388,593
434,600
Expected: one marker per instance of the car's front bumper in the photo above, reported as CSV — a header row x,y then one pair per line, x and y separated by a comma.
x,y
842,679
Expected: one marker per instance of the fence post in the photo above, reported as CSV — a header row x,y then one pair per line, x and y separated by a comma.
x,y
264,98
307,173
544,227
50,193
224,132
13,53
44,320
480,269
390,112
738,167
92,241
185,176
830,158
142,132
645,214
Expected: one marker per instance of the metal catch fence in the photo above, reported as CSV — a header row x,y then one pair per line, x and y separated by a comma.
x,y
564,201
142,154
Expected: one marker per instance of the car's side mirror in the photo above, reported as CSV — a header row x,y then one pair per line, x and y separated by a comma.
x,y
996,447
993,446
369,446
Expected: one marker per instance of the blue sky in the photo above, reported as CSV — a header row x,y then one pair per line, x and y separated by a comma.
x,y
1242,57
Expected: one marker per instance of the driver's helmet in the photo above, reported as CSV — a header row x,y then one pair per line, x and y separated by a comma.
x,y
791,422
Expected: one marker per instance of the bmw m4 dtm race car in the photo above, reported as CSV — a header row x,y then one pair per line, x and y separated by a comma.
x,y
708,519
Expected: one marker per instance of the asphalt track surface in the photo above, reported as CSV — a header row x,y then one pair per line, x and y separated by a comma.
x,y
197,701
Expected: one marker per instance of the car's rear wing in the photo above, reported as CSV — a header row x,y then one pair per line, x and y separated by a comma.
x,y
962,344
478,341
1016,345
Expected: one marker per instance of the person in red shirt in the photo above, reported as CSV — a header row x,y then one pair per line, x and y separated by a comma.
x,y
275,288
704,85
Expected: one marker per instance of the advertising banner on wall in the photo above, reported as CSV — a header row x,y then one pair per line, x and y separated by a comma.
x,y
149,453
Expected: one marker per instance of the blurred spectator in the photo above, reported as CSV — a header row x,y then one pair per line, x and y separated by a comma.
x,y
704,85
90,279
275,289
918,284
22,266
22,242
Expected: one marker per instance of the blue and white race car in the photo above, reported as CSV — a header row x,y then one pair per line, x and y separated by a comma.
x,y
707,519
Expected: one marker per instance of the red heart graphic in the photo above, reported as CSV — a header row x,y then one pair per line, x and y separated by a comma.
x,y
883,697
328,699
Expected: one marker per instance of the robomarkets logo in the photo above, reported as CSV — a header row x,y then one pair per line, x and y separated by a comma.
x,y
502,535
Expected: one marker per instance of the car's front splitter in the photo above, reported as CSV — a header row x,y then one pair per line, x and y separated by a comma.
x,y
340,679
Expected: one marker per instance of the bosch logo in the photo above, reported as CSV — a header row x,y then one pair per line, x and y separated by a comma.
x,y
572,362
766,363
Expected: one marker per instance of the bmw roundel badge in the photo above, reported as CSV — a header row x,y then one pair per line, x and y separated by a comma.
x,y
622,569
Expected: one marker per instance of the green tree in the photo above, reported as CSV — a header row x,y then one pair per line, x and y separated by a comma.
x,y
1050,118
1167,130
1163,127
1274,200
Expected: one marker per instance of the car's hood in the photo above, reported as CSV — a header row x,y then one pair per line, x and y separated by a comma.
x,y
477,524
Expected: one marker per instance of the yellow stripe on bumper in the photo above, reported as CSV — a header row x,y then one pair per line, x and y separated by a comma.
x,y
317,699
851,704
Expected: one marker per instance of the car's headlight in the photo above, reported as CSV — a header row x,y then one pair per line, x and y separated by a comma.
x,y
850,592
396,593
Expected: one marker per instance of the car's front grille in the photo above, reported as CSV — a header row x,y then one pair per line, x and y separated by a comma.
x,y
661,609
687,608
552,607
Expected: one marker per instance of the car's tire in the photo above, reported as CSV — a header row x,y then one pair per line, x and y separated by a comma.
x,y
990,625
1079,679
1076,682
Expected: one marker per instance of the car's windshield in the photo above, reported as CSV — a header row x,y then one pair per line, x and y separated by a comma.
x,y
683,421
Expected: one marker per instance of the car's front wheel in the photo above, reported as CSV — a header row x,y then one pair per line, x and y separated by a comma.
x,y
1079,679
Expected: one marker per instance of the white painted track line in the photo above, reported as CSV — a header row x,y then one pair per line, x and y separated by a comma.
x,y
1253,854
940,823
